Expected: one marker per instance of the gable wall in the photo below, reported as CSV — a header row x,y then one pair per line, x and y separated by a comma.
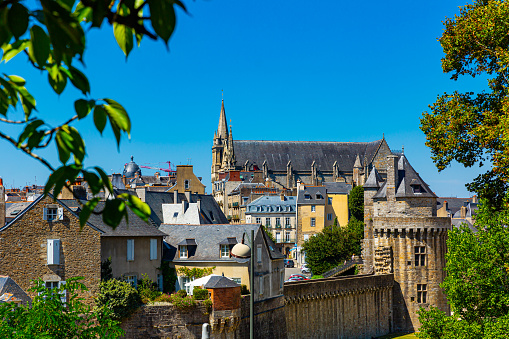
x,y
23,252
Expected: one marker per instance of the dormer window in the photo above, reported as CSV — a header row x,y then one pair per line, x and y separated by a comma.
x,y
225,247
225,251
183,251
307,196
319,196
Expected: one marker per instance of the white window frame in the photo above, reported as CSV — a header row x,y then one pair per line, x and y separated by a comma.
x,y
267,222
287,221
183,252
313,222
313,208
287,236
53,251
278,237
132,279
258,220
53,213
57,284
237,280
153,249
278,222
130,250
225,251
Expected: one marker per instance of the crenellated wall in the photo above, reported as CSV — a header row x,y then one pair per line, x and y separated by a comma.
x,y
343,307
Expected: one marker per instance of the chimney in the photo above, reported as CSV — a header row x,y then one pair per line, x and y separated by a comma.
x,y
188,196
185,205
392,177
141,193
175,197
446,205
474,199
282,195
2,203
463,212
198,204
157,174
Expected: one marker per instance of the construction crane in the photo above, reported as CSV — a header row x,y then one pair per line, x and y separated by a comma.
x,y
167,170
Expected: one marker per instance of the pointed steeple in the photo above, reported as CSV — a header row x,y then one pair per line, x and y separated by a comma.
x,y
222,129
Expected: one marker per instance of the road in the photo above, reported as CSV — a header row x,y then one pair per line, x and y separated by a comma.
x,y
290,271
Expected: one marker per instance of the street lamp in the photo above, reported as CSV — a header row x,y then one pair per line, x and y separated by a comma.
x,y
242,253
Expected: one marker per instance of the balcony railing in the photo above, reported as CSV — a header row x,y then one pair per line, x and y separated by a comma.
x,y
235,204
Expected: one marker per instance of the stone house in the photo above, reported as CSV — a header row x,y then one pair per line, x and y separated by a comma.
x,y
206,246
460,210
45,241
278,215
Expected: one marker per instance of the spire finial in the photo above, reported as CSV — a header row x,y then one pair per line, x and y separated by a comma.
x,y
403,149
222,95
132,158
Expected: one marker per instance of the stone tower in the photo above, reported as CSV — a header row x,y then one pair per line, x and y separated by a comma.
x,y
404,236
219,143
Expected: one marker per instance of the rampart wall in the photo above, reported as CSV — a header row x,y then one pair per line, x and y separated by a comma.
x,y
342,307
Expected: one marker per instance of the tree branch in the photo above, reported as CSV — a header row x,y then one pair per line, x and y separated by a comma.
x,y
27,151
16,121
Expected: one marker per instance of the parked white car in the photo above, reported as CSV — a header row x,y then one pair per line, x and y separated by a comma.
x,y
305,269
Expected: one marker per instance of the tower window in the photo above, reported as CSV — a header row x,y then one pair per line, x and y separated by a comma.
x,y
422,292
420,255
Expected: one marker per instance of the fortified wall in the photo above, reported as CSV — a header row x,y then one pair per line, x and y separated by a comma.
x,y
342,307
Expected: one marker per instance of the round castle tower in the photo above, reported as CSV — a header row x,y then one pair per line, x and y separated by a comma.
x,y
404,236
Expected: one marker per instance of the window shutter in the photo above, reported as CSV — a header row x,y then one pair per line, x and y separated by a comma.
x,y
153,249
130,249
44,213
259,253
63,293
53,252
60,213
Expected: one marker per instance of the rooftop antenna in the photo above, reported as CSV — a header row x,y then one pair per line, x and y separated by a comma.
x,y
403,149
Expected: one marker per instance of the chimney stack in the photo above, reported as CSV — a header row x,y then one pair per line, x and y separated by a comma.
x,y
392,177
175,197
188,196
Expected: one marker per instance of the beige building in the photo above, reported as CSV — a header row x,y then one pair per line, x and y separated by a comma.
x,y
187,181
210,245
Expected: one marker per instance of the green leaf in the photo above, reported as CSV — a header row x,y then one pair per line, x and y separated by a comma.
x,y
27,101
82,108
17,19
17,80
105,180
57,79
10,51
69,141
124,37
118,115
79,80
94,182
140,208
39,47
54,178
35,139
162,16
100,118
29,130
5,34
87,209
13,95
114,211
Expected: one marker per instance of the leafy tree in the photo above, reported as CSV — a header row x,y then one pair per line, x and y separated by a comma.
x,y
477,281
169,277
333,246
356,203
49,317
50,34
472,127
195,272
120,298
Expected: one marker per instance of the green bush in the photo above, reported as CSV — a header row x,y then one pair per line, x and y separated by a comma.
x,y
208,304
181,293
147,289
118,296
200,293
243,289
183,303
164,298
317,277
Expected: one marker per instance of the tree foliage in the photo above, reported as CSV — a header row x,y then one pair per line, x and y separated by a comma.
x,y
356,203
51,35
472,128
195,272
333,246
49,317
477,281
120,298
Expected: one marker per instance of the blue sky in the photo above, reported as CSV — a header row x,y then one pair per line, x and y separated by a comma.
x,y
290,70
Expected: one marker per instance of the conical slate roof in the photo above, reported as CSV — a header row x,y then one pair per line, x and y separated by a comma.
x,y
374,179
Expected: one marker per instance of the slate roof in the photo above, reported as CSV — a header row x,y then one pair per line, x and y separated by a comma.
x,y
338,187
269,204
15,208
374,179
208,239
312,191
136,227
220,282
303,153
7,285
210,211
454,204
407,177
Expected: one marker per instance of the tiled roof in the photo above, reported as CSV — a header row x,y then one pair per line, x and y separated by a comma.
x,y
309,195
303,153
220,282
338,187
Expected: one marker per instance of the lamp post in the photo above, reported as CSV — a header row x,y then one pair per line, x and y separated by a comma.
x,y
243,253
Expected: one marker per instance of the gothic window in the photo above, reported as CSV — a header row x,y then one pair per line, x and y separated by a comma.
x,y
420,255
422,293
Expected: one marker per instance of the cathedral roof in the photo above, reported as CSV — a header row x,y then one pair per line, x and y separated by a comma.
x,y
302,154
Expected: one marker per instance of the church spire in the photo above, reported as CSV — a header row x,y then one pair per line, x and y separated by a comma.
x,y
222,129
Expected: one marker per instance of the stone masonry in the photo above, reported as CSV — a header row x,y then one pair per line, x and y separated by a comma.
x,y
23,252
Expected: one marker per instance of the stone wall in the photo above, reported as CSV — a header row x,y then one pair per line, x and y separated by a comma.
x,y
23,249
342,307
269,318
163,320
